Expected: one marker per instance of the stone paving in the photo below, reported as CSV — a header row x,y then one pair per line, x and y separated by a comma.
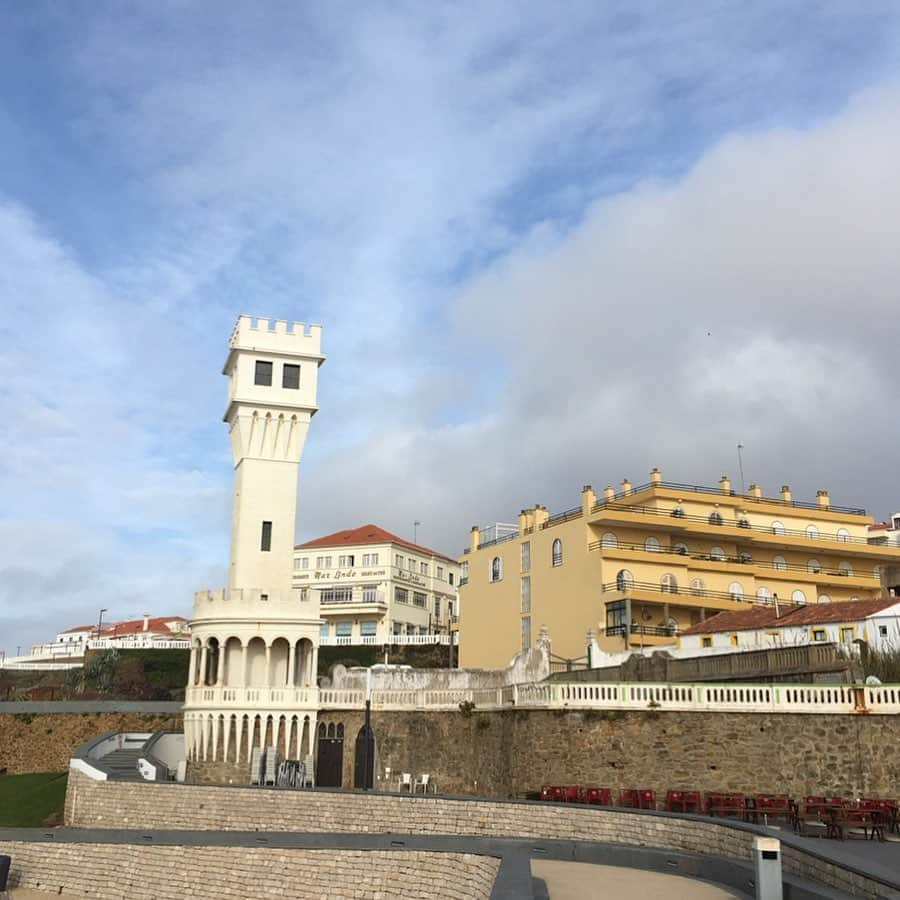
x,y
583,881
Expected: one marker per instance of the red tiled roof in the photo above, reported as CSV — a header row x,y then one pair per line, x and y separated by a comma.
x,y
79,628
881,526
811,614
737,620
156,625
367,534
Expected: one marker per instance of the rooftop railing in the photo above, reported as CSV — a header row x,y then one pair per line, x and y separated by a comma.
x,y
749,498
654,588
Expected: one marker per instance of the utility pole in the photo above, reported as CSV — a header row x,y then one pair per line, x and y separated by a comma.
x,y
416,525
741,466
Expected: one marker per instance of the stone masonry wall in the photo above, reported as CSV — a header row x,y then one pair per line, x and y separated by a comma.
x,y
505,754
111,871
94,804
44,742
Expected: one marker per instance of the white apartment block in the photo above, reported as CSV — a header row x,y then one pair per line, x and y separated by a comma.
x,y
374,586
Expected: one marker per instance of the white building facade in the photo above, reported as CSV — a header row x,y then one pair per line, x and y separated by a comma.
x,y
375,587
252,680
877,622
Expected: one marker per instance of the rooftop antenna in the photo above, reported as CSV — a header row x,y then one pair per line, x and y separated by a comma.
x,y
741,466
416,525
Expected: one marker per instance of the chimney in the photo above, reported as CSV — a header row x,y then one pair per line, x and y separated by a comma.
x,y
786,493
609,493
823,501
146,621
755,491
725,484
588,499
540,515
474,538
526,520
626,487
655,476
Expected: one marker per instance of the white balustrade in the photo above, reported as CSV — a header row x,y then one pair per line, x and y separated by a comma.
x,y
768,698
398,640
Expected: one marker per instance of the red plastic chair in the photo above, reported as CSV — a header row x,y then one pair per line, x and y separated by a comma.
x,y
628,798
546,792
597,796
572,794
646,799
692,800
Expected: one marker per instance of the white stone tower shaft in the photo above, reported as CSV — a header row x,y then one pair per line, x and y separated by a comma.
x,y
252,680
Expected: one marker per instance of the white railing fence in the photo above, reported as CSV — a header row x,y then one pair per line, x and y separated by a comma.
x,y
397,640
749,698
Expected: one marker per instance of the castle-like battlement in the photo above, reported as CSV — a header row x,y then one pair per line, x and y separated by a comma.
x,y
241,602
276,336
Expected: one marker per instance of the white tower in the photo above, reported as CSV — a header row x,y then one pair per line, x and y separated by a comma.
x,y
252,680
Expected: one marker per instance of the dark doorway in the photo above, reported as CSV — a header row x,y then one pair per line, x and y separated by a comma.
x,y
362,774
330,758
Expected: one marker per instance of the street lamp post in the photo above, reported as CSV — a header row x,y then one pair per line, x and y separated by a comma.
x,y
100,623
367,732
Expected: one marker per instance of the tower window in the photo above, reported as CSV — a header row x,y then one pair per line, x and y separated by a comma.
x,y
265,542
263,374
290,376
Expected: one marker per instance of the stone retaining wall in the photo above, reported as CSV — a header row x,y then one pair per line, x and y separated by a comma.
x,y
113,871
92,804
45,742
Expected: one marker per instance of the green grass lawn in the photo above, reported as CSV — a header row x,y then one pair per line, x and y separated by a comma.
x,y
26,801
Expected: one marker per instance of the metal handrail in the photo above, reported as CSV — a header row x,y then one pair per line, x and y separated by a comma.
x,y
557,519
786,567
704,489
732,523
634,628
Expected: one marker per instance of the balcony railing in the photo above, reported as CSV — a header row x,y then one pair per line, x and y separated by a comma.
x,y
650,630
559,518
735,560
695,592
743,524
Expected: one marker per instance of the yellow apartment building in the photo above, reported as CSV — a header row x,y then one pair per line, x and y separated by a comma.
x,y
640,564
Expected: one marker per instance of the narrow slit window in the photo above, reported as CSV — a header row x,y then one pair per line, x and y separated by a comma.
x,y
265,543
290,377
263,374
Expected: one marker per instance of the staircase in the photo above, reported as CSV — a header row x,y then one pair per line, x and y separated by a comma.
x,y
122,765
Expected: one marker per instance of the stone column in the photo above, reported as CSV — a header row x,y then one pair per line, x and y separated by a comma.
x,y
220,667
292,663
313,666
204,653
192,678
245,657
268,676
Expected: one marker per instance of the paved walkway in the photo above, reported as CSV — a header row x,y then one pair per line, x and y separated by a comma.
x,y
583,881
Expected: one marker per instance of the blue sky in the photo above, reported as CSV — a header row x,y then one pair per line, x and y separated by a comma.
x,y
518,226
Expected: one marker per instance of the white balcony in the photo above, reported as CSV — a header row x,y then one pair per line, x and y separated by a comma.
x,y
397,640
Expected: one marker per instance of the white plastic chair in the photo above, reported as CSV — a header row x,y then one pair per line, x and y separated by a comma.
x,y
405,782
422,783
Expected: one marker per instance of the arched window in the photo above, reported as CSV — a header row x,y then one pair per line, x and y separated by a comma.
x,y
812,532
680,548
813,566
557,552
609,540
764,595
745,558
779,562
743,522
843,535
777,527
715,518
678,512
624,580
651,545
845,568
717,553
668,584
496,569
697,587
736,590
824,598
798,597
